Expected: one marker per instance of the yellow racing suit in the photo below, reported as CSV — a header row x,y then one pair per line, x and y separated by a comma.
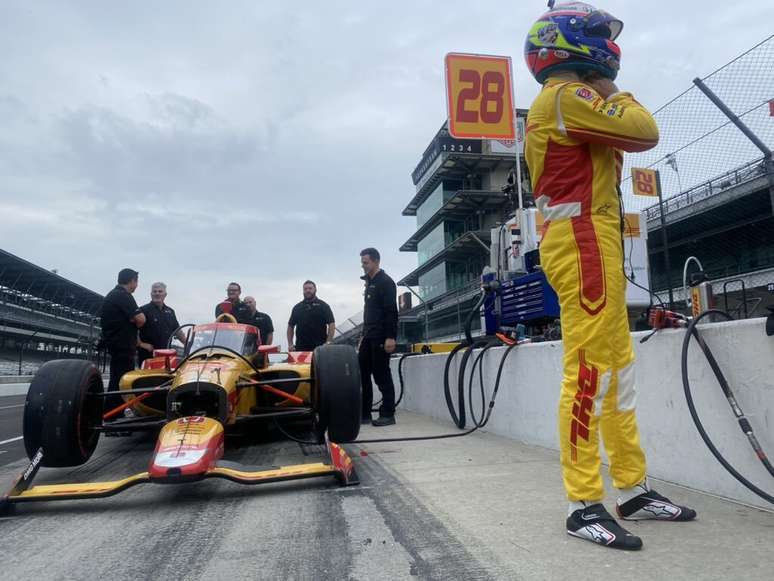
x,y
574,145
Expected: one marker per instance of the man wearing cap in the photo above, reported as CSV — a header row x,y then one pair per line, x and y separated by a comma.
x,y
120,319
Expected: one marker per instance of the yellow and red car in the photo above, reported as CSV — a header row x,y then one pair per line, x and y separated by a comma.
x,y
222,378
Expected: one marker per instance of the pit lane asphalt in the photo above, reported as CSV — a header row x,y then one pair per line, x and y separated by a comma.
x,y
478,507
11,448
312,529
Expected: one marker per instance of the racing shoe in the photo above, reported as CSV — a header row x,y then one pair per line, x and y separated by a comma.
x,y
651,505
595,524
383,421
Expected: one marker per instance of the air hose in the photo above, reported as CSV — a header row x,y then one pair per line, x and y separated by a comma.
x,y
486,411
375,406
469,345
744,423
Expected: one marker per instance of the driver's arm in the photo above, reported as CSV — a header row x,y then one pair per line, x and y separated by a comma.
x,y
269,337
331,332
138,319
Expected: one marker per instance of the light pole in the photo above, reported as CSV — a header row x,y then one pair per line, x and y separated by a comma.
x,y
671,161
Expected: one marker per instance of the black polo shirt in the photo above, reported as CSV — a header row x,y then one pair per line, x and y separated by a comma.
x,y
380,312
159,324
311,319
239,310
118,332
261,321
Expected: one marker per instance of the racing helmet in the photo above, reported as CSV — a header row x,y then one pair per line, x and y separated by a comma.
x,y
573,36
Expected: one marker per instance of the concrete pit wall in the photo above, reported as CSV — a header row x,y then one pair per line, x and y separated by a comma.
x,y
526,404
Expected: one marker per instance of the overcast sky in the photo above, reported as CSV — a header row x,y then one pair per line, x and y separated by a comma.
x,y
266,142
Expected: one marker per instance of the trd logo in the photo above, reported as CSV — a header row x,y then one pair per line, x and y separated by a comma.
x,y
588,377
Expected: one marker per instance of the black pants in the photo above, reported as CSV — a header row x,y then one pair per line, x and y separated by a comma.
x,y
120,362
375,360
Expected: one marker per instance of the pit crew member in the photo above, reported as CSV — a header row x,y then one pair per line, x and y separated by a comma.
x,y
312,320
120,319
160,322
380,328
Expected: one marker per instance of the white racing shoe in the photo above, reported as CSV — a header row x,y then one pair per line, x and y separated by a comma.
x,y
651,505
595,524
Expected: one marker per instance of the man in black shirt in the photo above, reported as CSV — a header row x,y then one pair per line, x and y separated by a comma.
x,y
238,308
160,322
120,319
259,320
380,328
313,321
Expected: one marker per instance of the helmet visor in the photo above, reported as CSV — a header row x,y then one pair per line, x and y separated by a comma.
x,y
603,24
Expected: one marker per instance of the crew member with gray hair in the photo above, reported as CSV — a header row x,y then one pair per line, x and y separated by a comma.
x,y
160,323
259,320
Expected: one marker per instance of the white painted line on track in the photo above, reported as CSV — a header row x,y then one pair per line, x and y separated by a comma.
x,y
8,407
11,440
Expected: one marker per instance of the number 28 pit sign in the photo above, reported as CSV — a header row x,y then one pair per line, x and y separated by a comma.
x,y
479,96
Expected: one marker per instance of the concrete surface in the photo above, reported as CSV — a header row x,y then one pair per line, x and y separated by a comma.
x,y
11,444
476,507
8,389
527,401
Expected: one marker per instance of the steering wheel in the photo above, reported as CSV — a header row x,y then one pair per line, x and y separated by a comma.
x,y
225,318
176,331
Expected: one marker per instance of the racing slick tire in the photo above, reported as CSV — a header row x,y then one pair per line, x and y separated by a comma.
x,y
59,414
337,391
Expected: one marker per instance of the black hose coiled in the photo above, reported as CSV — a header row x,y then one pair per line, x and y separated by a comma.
x,y
744,424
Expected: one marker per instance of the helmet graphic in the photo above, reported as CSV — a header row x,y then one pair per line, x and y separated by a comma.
x,y
573,36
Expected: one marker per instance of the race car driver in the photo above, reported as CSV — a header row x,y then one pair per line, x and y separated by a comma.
x,y
577,130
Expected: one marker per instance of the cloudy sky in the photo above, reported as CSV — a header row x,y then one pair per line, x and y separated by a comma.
x,y
266,142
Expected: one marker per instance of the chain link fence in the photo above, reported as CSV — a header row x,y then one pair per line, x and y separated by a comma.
x,y
717,185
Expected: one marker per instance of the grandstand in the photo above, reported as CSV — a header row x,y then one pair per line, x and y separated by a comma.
x,y
348,332
43,316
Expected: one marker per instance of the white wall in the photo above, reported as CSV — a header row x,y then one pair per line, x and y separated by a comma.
x,y
526,404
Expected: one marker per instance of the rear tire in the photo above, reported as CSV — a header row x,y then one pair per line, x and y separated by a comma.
x,y
337,391
60,413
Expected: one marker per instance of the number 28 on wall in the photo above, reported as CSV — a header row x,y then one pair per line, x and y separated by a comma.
x,y
480,100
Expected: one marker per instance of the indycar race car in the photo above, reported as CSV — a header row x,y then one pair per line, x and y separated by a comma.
x,y
223,377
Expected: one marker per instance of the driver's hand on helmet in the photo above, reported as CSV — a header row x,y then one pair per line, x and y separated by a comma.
x,y
147,346
602,85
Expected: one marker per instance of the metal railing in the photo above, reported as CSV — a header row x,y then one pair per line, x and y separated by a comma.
x,y
745,173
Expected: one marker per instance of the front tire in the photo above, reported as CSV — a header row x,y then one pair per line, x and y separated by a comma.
x,y
62,410
337,391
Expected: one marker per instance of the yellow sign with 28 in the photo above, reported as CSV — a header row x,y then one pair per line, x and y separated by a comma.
x,y
645,182
479,96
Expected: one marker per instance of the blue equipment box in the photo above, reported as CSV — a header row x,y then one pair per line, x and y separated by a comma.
x,y
527,298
